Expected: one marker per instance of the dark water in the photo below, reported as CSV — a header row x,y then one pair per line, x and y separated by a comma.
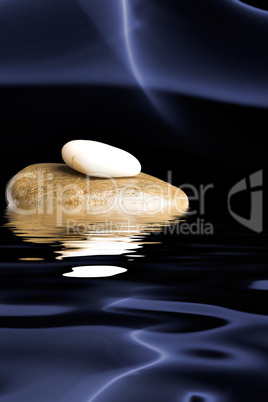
x,y
186,322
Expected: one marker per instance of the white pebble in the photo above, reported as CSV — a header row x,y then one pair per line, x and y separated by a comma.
x,y
99,160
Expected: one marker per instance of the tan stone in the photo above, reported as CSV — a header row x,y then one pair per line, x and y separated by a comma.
x,y
44,186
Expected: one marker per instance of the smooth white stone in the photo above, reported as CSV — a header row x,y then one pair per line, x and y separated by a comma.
x,y
99,160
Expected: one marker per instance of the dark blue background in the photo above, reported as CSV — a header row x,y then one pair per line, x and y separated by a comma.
x,y
195,102
182,85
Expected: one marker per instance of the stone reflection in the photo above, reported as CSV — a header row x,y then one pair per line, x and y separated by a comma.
x,y
95,271
87,234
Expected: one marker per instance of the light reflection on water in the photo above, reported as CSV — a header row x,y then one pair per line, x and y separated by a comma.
x,y
95,271
89,234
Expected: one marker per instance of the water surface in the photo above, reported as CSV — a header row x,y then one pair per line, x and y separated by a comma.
x,y
181,318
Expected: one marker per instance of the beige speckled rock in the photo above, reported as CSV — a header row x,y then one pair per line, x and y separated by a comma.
x,y
45,186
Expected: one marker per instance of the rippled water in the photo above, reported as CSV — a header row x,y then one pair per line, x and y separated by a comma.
x,y
171,317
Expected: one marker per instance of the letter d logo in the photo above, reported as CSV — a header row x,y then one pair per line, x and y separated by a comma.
x,y
255,221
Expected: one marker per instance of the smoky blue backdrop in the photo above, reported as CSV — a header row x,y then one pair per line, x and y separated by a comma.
x,y
183,85
190,76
